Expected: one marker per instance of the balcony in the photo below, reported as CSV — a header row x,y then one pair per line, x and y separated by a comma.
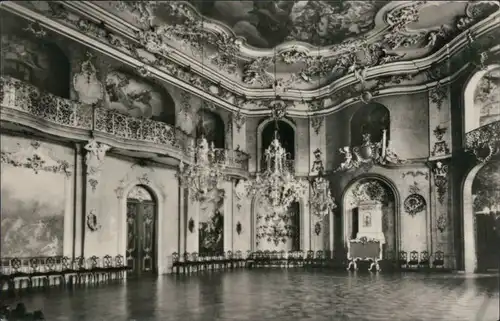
x,y
26,105
484,141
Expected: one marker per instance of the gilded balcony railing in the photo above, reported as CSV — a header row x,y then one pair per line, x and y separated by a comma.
x,y
139,129
484,141
26,98
233,158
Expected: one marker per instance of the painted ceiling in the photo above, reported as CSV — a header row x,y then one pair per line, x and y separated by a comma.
x,y
299,44
306,57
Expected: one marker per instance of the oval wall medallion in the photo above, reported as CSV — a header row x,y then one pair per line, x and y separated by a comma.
x,y
414,204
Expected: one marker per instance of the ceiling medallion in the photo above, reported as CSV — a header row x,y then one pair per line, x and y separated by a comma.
x,y
207,171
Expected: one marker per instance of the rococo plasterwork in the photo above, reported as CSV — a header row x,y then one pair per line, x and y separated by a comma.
x,y
350,63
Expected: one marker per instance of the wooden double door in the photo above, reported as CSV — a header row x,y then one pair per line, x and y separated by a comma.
x,y
141,237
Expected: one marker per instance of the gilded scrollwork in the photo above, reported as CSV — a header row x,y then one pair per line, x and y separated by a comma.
x,y
238,119
317,123
414,204
94,158
484,141
440,171
368,154
344,59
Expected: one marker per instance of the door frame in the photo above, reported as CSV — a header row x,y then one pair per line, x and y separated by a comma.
x,y
139,221
160,199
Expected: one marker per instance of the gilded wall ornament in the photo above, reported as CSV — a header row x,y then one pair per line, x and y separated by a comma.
x,y
440,148
317,123
191,225
414,204
238,120
94,158
441,223
92,223
317,228
439,132
415,174
438,94
440,171
239,228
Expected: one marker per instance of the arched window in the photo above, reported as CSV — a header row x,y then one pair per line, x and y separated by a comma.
x,y
286,135
370,119
482,99
211,126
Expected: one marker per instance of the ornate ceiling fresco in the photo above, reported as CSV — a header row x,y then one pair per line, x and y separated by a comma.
x,y
312,56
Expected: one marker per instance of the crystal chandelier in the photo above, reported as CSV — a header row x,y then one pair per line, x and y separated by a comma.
x,y
207,171
276,183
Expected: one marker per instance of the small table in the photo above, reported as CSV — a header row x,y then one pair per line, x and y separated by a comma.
x,y
364,250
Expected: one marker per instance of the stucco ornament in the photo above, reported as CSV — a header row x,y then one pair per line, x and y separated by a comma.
x,y
93,159
87,86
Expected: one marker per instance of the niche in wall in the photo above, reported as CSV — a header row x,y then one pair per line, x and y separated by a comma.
x,y
371,119
211,126
137,97
371,190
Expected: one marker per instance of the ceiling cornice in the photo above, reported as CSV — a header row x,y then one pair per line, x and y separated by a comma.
x,y
456,46
124,28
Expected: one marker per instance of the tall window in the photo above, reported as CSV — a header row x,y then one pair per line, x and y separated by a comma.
x,y
211,126
286,135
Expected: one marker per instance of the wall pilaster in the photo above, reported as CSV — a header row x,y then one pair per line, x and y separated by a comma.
x,y
440,143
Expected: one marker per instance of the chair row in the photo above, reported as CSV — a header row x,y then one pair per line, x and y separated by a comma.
x,y
421,259
46,271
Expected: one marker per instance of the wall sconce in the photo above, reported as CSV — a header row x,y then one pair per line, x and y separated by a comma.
x,y
239,228
92,223
191,225
317,228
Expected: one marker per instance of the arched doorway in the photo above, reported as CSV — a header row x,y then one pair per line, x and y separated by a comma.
x,y
481,204
366,200
141,232
273,231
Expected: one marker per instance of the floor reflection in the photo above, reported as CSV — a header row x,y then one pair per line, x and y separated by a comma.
x,y
277,295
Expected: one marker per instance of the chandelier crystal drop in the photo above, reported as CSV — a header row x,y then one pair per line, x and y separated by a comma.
x,y
276,183
207,171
